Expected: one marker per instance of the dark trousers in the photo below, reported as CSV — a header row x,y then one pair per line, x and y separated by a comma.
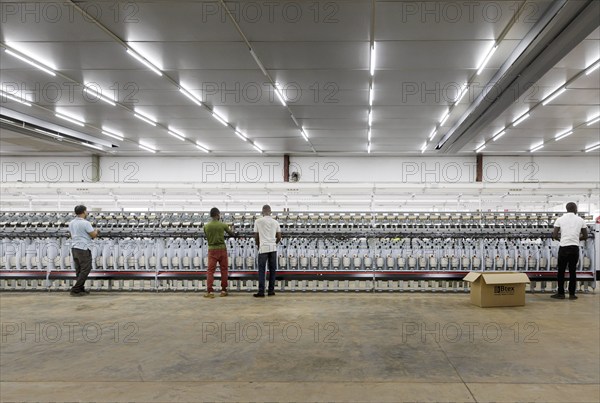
x,y
567,256
265,259
82,261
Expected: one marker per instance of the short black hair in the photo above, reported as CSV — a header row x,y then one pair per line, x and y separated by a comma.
x,y
214,212
571,207
80,209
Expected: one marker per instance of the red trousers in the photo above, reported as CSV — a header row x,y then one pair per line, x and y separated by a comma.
x,y
217,256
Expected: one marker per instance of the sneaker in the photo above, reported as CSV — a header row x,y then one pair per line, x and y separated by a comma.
x,y
209,295
558,296
258,295
573,297
271,293
224,293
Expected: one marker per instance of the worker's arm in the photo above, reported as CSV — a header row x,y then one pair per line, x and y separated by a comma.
x,y
257,239
556,234
229,230
93,233
584,234
277,237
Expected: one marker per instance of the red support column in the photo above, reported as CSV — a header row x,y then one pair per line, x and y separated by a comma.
x,y
286,168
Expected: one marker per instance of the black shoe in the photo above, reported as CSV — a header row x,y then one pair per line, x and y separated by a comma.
x,y
86,292
271,293
258,295
558,296
77,294
572,296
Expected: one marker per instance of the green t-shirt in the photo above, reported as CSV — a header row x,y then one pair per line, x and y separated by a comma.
x,y
215,234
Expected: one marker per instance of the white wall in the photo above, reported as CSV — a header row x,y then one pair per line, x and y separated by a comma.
x,y
46,169
520,169
448,169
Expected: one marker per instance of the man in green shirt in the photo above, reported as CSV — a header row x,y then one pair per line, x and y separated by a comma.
x,y
217,251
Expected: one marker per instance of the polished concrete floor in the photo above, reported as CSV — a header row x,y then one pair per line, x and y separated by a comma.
x,y
134,347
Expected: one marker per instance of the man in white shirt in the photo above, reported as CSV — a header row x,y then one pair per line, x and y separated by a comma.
x,y
267,234
569,229
82,234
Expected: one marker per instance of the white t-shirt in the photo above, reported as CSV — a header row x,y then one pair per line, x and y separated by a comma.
x,y
267,227
570,227
80,233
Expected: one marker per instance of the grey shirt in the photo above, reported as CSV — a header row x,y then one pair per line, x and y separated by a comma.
x,y
80,229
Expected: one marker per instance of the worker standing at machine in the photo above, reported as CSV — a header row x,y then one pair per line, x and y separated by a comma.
x,y
82,234
569,229
217,252
267,234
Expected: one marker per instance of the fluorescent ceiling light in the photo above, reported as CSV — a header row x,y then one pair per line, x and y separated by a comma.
x,y
97,95
144,62
15,98
500,134
370,117
593,120
70,119
295,121
257,148
146,147
462,93
240,135
433,133
262,68
554,95
424,147
176,134
201,147
92,146
369,147
144,118
304,134
35,64
487,59
538,147
373,59
521,119
369,134
371,96
190,96
592,148
53,135
480,148
220,119
112,134
445,117
280,96
564,134
592,68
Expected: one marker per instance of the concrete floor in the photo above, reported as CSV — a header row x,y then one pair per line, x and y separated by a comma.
x,y
324,347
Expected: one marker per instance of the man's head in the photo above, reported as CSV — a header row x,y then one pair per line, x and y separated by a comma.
x,y
266,210
81,211
572,207
215,213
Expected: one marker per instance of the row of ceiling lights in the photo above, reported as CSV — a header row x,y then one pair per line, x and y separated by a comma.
x,y
138,114
551,97
188,94
463,91
372,59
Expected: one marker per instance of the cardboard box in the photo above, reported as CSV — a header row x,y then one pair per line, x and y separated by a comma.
x,y
497,288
